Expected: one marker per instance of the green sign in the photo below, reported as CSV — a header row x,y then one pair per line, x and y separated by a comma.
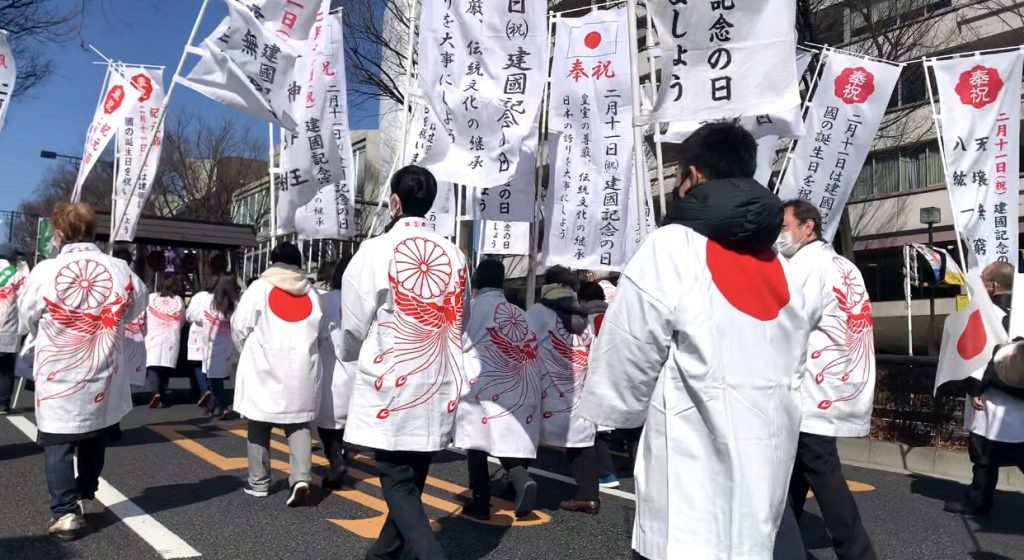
x,y
44,237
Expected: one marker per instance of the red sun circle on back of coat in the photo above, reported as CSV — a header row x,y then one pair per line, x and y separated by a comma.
x,y
753,284
592,40
288,307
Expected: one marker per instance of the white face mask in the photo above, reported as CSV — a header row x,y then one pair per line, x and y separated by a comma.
x,y
786,245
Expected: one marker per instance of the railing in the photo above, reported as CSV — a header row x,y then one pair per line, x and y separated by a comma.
x,y
905,409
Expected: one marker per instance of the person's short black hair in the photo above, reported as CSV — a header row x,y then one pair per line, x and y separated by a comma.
x,y
286,253
719,151
416,187
560,275
591,291
124,254
804,211
490,274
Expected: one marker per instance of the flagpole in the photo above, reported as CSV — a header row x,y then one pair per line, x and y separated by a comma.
x,y
638,135
167,100
271,168
653,82
113,179
787,160
542,150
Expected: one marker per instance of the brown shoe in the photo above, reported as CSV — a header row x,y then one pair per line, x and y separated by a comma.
x,y
591,508
155,401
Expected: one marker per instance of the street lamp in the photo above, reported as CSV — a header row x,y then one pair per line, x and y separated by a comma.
x,y
929,217
46,154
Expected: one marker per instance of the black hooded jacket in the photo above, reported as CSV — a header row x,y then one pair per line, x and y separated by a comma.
x,y
739,214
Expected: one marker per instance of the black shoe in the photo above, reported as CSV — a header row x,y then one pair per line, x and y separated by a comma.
x,y
299,493
961,508
336,474
526,498
478,510
4,410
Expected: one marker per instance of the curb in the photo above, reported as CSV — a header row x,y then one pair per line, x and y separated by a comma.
x,y
928,461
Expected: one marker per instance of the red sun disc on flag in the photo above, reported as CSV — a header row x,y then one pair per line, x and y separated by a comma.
x,y
288,307
854,85
972,341
753,284
113,100
592,40
144,85
979,86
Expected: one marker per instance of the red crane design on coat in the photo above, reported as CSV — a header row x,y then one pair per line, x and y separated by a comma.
x,y
510,372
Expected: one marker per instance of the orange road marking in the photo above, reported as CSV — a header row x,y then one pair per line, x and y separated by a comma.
x,y
854,486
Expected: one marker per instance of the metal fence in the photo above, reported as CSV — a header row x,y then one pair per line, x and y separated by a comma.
x,y
906,411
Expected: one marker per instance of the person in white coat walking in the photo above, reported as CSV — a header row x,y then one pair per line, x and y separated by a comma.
x,y
213,315
501,415
135,331
164,318
839,382
277,329
404,300
704,345
13,273
76,306
336,385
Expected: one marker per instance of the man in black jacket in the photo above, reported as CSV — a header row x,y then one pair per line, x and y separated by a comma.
x,y
998,445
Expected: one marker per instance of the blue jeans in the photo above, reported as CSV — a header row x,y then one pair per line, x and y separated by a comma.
x,y
202,382
65,490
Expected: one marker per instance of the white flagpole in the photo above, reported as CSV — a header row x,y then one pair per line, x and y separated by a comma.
x,y
271,169
114,226
542,150
803,115
167,100
653,82
638,135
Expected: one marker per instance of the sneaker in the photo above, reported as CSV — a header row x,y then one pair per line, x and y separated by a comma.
x,y
155,402
257,493
204,399
299,493
67,528
608,481
90,506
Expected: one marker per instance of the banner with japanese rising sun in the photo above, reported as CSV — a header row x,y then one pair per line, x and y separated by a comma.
x,y
481,69
843,118
592,182
8,73
979,107
137,131
117,100
969,336
725,59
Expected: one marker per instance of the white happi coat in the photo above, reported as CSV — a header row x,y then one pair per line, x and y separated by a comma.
x,y
219,355
278,334
76,306
338,377
10,332
564,358
403,302
196,340
839,385
501,414
135,342
707,347
164,318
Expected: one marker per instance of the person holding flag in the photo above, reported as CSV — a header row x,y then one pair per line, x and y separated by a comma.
x,y
839,382
705,345
13,273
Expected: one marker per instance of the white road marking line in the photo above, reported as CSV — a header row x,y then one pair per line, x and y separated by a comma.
x,y
166,543
560,478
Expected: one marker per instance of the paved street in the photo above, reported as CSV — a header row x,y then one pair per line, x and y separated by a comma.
x,y
174,485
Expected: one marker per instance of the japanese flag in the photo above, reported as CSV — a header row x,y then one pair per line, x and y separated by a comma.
x,y
969,337
595,39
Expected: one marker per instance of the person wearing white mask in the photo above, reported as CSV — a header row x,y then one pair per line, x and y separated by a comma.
x,y
839,382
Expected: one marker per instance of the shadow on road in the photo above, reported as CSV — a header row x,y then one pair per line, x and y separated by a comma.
x,y
1006,507
19,451
156,499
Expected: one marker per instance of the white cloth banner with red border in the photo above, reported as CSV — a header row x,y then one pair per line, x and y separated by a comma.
x,y
979,108
720,59
843,118
969,337
117,100
8,74
134,136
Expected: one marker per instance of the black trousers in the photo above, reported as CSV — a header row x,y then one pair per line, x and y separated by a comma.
x,y
480,473
988,457
818,468
406,533
583,461
603,449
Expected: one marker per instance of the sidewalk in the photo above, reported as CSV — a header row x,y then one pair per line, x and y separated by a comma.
x,y
928,461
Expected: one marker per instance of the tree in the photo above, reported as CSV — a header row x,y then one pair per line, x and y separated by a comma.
x,y
376,41
33,27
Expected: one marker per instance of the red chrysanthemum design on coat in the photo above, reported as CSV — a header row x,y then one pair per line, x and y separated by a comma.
x,y
511,322
854,327
166,309
422,267
427,324
84,284
510,373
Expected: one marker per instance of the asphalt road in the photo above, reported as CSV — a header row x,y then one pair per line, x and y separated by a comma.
x,y
180,476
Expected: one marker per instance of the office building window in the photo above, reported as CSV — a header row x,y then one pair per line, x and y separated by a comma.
x,y
906,169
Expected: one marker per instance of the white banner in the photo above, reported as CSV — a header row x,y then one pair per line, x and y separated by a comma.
x,y
249,66
8,73
588,226
482,67
723,58
979,101
117,100
134,136
317,180
515,200
442,215
843,117
291,19
505,238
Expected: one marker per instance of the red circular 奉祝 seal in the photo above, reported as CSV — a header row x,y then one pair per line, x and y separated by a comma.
x,y
854,85
979,86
